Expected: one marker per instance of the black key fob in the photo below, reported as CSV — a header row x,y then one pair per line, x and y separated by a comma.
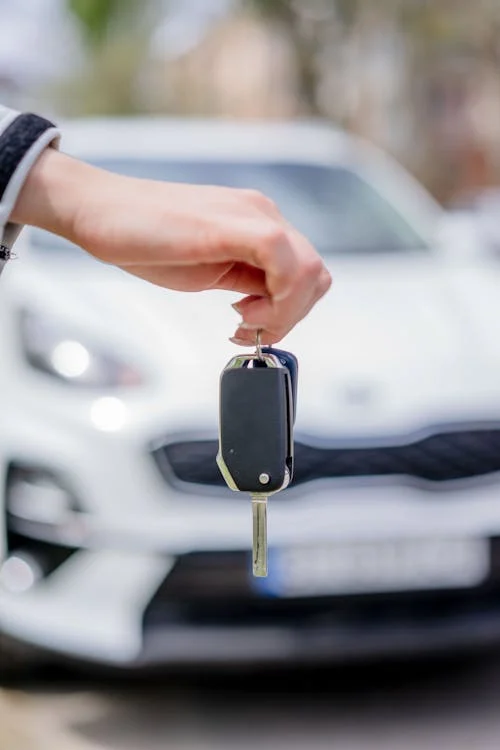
x,y
256,423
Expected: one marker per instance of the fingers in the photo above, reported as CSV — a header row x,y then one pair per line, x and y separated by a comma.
x,y
277,315
231,276
263,243
282,317
243,278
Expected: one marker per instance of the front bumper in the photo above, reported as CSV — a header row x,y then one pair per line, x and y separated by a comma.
x,y
209,608
203,609
220,645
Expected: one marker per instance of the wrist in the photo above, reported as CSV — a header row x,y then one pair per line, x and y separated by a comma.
x,y
53,193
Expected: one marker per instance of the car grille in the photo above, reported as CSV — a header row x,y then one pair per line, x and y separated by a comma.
x,y
439,457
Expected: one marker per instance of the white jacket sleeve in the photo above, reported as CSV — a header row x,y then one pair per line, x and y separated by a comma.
x,y
23,137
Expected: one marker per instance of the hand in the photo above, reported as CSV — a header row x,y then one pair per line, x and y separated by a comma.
x,y
184,237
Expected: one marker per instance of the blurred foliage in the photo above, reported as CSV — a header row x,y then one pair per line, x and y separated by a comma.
x,y
303,24
117,35
96,16
446,70
109,84
441,61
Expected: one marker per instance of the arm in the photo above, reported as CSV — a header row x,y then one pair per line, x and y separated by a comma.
x,y
184,237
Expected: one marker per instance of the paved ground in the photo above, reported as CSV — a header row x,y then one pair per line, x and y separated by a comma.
x,y
409,707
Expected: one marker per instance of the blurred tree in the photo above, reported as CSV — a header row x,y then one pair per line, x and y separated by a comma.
x,y
96,16
326,37
423,100
306,24
418,77
453,92
116,36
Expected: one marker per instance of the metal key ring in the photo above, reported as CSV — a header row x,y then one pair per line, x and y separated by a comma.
x,y
258,344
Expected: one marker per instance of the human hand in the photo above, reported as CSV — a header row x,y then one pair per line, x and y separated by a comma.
x,y
184,237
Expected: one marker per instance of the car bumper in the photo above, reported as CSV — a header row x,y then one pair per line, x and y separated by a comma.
x,y
315,645
154,617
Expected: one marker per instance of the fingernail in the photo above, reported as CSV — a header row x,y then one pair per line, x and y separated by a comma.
x,y
250,326
236,306
238,341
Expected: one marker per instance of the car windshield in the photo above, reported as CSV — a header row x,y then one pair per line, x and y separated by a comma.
x,y
332,206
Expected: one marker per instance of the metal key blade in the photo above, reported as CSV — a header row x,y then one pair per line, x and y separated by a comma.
x,y
259,552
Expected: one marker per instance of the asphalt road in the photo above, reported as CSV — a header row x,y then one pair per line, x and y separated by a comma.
x,y
411,706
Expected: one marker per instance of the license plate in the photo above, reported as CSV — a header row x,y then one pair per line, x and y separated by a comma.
x,y
376,566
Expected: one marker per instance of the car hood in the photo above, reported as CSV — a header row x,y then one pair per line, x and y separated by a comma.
x,y
396,345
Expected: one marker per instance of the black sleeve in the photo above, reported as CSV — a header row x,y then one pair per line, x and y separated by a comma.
x,y
23,137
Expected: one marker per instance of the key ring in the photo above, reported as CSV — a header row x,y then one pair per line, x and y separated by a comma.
x,y
258,344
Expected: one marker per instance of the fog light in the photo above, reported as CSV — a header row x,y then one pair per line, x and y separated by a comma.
x,y
38,497
20,572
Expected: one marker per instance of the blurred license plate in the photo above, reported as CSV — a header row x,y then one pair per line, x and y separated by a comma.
x,y
376,566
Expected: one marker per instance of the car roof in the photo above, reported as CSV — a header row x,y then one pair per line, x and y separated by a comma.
x,y
204,139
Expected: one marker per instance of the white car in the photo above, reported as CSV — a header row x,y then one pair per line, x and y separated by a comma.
x,y
122,544
477,213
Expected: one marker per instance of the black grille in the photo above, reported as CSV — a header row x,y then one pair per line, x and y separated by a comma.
x,y
440,457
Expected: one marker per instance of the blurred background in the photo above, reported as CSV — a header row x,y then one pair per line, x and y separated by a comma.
x,y
419,79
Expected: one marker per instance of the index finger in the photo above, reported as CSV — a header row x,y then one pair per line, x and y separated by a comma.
x,y
276,315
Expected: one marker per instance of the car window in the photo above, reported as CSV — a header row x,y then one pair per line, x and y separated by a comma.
x,y
332,206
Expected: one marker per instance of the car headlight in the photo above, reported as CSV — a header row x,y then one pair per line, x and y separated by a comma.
x,y
52,347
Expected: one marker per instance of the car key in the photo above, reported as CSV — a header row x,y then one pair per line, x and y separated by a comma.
x,y
255,437
257,410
